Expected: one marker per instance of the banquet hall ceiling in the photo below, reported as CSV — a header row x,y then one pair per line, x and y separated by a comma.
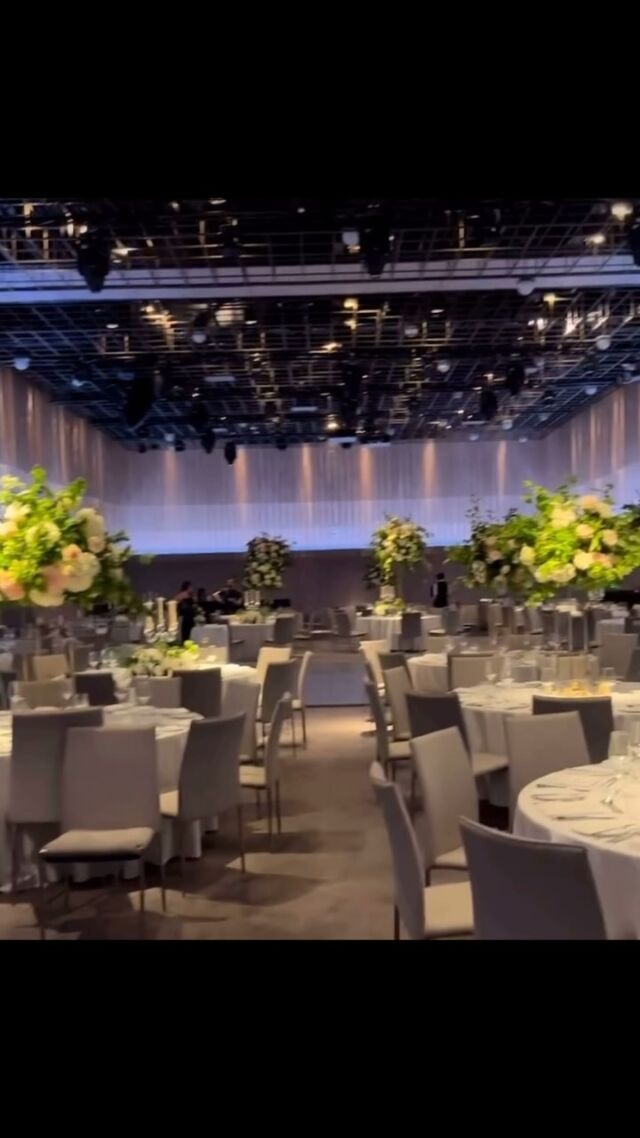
x,y
375,362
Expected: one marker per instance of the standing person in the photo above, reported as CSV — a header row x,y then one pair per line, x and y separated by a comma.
x,y
186,610
440,592
230,597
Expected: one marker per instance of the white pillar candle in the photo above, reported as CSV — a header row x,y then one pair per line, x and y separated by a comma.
x,y
172,614
148,623
160,610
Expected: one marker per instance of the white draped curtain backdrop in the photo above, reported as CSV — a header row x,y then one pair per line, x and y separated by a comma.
x,y
319,497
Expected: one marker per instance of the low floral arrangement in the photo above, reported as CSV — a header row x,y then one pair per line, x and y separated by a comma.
x,y
251,616
389,608
569,540
398,542
53,549
161,657
267,558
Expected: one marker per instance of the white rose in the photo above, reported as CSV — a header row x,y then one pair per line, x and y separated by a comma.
x,y
584,532
590,502
8,529
605,509
16,512
91,521
45,600
494,555
527,555
610,537
583,560
96,543
562,516
506,569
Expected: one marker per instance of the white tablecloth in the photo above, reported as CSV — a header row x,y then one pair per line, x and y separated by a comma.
x,y
388,627
485,708
615,865
608,625
429,672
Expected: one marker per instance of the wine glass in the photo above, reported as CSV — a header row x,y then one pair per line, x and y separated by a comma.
x,y
608,679
94,660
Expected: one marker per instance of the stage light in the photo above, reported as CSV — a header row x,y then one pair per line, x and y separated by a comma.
x,y
523,439
591,389
514,378
208,441
200,329
21,363
140,398
230,452
178,446
350,237
474,437
281,443
142,448
443,366
375,243
621,210
595,239
603,342
350,303
507,424
488,404
525,286
93,258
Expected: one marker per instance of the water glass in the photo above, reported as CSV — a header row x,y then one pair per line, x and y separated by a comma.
x,y
143,690
608,678
619,745
94,659
491,670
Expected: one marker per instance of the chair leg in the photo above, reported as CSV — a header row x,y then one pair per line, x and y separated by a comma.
x,y
257,803
163,890
269,815
396,923
393,772
293,732
15,856
278,811
67,890
412,798
241,837
303,717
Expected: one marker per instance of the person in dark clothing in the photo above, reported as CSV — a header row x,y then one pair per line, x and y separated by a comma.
x,y
229,597
186,610
440,592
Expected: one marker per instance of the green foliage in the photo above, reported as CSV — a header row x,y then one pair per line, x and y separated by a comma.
x,y
397,542
267,557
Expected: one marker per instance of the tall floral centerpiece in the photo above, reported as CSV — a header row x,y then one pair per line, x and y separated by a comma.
x,y
568,540
267,558
53,549
396,545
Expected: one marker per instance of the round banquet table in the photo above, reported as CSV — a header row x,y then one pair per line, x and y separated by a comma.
x,y
171,730
388,627
429,672
485,707
614,859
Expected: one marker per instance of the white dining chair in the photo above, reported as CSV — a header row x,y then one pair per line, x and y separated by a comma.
x,y
540,744
98,686
43,693
448,792
426,912
398,685
35,772
201,690
469,670
241,697
50,667
266,776
389,751
110,800
371,650
280,679
616,651
530,890
270,655
209,781
596,716
303,662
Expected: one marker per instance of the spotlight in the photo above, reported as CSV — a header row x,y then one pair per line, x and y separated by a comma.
x,y
411,330
208,441
178,446
281,444
230,244
525,286
621,210
142,448
93,258
443,366
230,452
591,389
603,342
474,437
375,242
514,378
140,399
507,424
488,404
21,363
200,329
350,237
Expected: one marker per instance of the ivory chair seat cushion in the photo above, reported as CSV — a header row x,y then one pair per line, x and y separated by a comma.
x,y
484,763
110,845
448,910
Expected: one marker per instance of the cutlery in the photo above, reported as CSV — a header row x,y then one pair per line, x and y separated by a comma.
x,y
581,817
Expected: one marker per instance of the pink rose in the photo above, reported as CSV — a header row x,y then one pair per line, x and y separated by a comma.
x,y
71,552
55,578
11,588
